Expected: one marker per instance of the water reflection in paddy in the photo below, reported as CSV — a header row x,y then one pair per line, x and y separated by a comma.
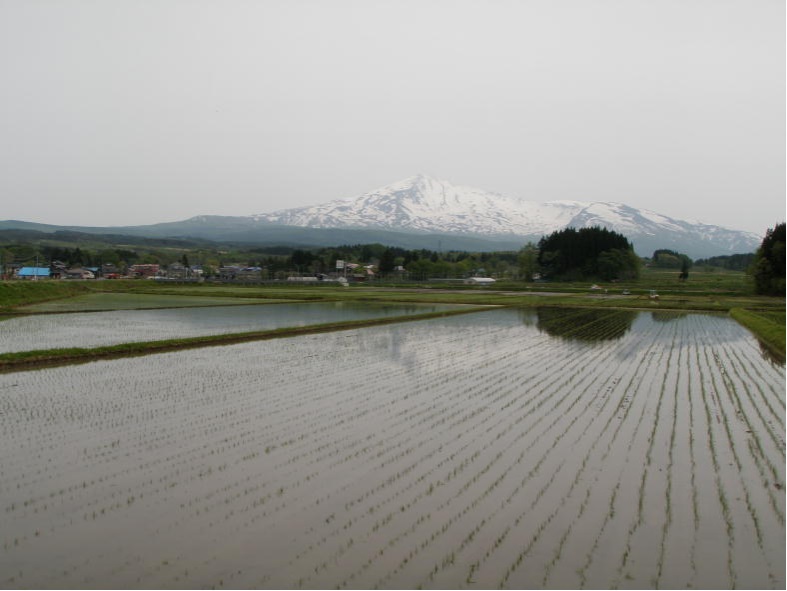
x,y
52,331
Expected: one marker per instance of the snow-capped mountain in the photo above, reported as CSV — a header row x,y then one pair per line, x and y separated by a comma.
x,y
424,205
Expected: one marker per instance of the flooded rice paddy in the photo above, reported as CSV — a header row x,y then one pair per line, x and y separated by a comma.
x,y
135,301
513,449
97,329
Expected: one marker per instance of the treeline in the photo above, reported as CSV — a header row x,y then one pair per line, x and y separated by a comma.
x,y
732,262
280,261
669,259
392,261
30,255
768,268
595,254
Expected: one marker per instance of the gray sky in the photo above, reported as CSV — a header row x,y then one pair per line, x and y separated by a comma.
x,y
117,112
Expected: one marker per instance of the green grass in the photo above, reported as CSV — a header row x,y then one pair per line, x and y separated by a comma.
x,y
768,325
17,293
134,301
713,291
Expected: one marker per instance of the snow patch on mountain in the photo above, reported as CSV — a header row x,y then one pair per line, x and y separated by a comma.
x,y
425,205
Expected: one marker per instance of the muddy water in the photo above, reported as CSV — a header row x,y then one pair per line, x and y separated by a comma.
x,y
486,450
95,329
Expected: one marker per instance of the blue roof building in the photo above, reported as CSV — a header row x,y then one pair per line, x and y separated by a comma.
x,y
33,272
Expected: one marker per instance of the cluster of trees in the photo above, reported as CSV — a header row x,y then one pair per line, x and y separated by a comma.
x,y
669,259
419,264
78,257
585,253
769,263
28,255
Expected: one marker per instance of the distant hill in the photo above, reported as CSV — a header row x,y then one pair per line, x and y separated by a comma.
x,y
241,231
421,212
76,237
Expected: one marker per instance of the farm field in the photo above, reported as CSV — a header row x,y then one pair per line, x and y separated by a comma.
x,y
95,329
507,448
134,301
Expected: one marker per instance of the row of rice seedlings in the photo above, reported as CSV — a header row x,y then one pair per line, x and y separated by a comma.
x,y
678,564
693,483
650,479
761,402
608,382
407,505
99,328
241,452
630,458
473,505
308,477
533,471
711,416
407,421
392,480
446,480
336,451
667,520
623,406
669,469
769,471
140,495
376,509
613,418
755,401
447,562
739,480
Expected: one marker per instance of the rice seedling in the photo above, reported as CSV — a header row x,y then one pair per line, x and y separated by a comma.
x,y
475,450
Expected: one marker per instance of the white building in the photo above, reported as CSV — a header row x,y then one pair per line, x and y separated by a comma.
x,y
479,281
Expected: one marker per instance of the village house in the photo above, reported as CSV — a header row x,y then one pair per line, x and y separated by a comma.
x,y
143,270
33,273
249,274
229,272
109,271
178,271
479,281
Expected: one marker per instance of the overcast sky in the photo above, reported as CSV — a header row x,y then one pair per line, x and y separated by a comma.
x,y
116,112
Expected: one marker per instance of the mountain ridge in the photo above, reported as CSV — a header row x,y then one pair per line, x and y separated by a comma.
x,y
422,212
424,204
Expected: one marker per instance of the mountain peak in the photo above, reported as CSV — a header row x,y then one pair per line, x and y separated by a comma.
x,y
419,182
423,204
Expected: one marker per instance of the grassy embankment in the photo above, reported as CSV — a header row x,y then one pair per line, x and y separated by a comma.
x,y
20,293
767,325
718,291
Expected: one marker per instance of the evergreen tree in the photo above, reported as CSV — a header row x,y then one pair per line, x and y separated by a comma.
x,y
769,263
576,254
685,265
387,261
